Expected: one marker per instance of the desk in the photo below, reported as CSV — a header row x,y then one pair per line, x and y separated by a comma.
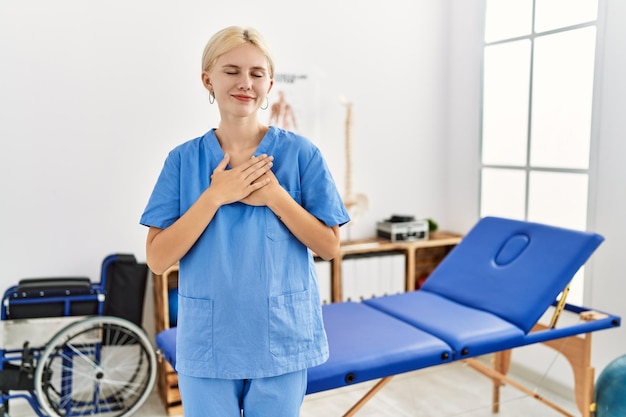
x,y
430,252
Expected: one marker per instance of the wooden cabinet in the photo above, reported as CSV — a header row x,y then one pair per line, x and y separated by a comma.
x,y
421,257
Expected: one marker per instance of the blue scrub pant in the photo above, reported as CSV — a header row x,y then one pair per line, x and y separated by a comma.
x,y
279,396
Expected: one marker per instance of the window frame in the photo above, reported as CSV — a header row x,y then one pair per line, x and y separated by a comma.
x,y
527,169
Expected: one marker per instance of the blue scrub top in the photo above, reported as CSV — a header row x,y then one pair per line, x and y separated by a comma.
x,y
249,304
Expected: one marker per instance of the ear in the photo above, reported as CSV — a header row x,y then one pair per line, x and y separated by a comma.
x,y
206,81
270,87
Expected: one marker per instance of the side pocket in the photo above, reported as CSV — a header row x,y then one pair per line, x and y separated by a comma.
x,y
195,328
290,320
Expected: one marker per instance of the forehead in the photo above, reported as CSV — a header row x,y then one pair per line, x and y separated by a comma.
x,y
245,55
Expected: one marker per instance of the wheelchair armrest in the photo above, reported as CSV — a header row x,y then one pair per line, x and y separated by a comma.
x,y
53,286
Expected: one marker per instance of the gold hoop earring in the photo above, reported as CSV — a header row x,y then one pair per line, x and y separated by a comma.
x,y
211,98
267,104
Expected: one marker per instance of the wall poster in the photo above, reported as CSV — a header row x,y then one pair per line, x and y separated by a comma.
x,y
293,104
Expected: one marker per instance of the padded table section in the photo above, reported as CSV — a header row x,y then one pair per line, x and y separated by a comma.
x,y
166,343
470,332
367,344
364,344
511,268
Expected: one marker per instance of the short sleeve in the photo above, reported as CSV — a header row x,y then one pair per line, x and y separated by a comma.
x,y
319,192
163,207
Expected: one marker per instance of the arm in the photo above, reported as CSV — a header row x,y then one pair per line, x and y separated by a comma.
x,y
321,239
165,247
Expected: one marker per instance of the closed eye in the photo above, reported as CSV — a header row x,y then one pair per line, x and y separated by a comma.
x,y
257,72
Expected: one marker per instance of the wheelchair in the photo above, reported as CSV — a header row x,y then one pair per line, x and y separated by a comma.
x,y
71,347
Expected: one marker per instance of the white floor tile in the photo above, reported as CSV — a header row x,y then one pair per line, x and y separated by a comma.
x,y
452,390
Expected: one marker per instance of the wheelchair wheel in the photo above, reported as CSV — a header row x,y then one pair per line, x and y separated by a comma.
x,y
100,366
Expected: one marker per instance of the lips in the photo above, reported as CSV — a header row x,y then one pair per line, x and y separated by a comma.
x,y
243,98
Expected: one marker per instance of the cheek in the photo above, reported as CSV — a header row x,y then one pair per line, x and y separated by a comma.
x,y
266,87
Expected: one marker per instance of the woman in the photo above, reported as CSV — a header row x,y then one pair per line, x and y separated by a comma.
x,y
242,208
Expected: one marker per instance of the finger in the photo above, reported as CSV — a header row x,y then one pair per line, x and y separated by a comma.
x,y
264,165
258,170
259,184
257,161
223,163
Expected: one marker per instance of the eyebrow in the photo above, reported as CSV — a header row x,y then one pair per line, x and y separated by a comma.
x,y
257,68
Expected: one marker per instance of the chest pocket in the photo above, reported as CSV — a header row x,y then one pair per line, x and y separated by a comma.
x,y
275,228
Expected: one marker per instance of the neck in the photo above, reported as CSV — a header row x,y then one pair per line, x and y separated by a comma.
x,y
240,137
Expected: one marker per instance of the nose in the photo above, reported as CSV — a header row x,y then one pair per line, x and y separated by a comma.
x,y
245,82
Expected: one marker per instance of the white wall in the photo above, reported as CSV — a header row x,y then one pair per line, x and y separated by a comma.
x,y
608,286
94,94
461,151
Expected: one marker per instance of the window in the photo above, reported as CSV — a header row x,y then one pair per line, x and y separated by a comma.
x,y
538,74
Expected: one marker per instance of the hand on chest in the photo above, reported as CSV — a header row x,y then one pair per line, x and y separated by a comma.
x,y
240,156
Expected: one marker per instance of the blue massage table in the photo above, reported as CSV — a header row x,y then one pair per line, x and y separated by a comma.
x,y
485,297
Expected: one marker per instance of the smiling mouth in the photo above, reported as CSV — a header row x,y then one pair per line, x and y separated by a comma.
x,y
243,98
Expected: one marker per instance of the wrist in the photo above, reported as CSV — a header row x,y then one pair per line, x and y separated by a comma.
x,y
211,199
279,202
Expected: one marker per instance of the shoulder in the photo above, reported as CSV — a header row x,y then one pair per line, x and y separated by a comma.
x,y
189,150
292,140
294,149
192,145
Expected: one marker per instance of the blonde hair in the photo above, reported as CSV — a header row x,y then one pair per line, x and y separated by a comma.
x,y
231,37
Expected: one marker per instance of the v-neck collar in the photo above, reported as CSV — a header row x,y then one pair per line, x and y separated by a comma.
x,y
264,146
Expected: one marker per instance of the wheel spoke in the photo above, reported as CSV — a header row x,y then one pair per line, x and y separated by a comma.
x,y
103,366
